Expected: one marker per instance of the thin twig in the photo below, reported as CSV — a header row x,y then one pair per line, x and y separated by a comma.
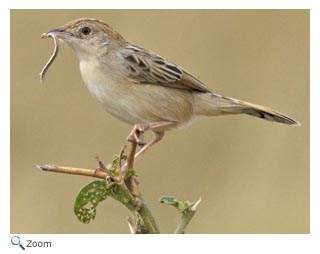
x,y
72,171
131,155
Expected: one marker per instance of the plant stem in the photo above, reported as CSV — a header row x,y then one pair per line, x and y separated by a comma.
x,y
148,219
186,218
131,182
132,185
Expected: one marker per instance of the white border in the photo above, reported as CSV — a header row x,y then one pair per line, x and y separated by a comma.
x,y
169,243
163,4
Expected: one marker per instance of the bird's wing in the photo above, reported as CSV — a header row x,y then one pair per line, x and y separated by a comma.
x,y
145,67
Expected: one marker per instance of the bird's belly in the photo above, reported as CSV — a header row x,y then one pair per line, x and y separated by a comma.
x,y
139,103
110,96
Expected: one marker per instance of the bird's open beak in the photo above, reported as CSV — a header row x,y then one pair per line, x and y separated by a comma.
x,y
58,32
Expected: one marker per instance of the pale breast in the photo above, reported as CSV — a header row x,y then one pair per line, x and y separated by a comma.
x,y
106,89
136,103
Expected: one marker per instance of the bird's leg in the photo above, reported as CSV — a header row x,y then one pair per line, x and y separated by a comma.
x,y
157,137
138,130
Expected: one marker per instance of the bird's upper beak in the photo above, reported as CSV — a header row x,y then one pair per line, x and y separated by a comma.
x,y
59,32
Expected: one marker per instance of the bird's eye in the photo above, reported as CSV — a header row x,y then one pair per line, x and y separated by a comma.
x,y
85,30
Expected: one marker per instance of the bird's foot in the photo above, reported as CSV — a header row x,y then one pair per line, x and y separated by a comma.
x,y
136,135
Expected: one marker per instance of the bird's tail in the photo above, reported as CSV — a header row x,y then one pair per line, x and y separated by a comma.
x,y
213,105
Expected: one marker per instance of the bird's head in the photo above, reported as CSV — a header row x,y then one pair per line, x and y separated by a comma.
x,y
87,36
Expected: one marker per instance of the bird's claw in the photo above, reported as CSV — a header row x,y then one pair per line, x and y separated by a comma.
x,y
136,136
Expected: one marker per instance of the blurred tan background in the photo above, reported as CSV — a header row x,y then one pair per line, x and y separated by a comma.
x,y
252,175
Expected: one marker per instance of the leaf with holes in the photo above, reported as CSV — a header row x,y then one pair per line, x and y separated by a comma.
x,y
88,199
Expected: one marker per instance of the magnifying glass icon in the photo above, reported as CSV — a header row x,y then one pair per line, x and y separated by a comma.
x,y
15,240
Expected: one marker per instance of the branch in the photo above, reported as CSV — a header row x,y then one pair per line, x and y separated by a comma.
x,y
127,191
131,181
73,171
186,218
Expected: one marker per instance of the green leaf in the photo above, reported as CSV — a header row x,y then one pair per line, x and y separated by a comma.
x,y
168,200
88,199
182,207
